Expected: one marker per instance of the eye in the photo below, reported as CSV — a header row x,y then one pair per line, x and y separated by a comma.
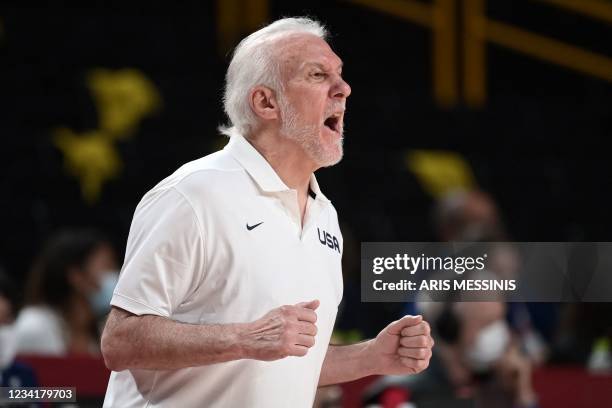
x,y
319,75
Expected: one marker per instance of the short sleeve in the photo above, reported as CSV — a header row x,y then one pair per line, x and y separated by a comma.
x,y
164,260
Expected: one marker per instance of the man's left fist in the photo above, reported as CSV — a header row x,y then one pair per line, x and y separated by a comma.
x,y
403,347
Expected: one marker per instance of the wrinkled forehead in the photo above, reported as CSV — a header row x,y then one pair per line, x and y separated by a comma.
x,y
300,50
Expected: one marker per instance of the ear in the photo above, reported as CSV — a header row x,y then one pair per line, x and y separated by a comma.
x,y
263,102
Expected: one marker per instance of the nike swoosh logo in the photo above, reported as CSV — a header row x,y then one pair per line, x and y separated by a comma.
x,y
250,227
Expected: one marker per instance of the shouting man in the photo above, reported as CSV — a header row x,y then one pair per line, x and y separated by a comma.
x,y
232,275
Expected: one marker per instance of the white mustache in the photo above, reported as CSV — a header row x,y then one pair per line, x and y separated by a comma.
x,y
335,109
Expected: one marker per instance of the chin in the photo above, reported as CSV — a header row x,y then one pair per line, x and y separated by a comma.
x,y
333,162
331,155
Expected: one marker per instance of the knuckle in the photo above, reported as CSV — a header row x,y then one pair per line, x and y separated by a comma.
x,y
288,310
286,349
285,312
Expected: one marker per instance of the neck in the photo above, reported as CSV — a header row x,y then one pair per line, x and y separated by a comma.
x,y
78,320
287,158
79,315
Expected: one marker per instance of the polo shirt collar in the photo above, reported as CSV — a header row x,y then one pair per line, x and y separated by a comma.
x,y
314,187
259,168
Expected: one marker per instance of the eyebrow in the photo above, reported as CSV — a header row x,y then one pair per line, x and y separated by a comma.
x,y
319,65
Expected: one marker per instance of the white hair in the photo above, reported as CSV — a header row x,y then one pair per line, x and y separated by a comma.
x,y
255,63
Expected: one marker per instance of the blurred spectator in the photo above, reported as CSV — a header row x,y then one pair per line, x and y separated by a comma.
x,y
476,359
12,374
68,291
468,216
574,333
474,216
484,350
481,357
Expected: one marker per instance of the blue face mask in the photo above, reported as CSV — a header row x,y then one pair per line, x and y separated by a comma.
x,y
100,299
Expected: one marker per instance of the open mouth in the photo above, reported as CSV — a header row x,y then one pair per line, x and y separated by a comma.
x,y
333,122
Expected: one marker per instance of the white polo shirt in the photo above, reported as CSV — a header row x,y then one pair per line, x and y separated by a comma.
x,y
221,241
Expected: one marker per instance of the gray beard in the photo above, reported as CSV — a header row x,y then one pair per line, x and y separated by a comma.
x,y
307,136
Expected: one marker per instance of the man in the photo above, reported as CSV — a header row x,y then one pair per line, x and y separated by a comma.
x,y
232,275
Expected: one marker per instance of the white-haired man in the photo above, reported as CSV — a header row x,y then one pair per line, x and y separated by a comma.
x,y
232,275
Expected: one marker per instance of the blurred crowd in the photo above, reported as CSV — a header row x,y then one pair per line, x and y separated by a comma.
x,y
60,311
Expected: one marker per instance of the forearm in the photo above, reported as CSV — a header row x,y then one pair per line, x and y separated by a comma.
x,y
403,347
157,343
346,363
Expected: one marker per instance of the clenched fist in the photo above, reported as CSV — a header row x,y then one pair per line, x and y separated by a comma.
x,y
285,331
403,347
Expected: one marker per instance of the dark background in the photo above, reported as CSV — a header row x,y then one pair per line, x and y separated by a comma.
x,y
538,145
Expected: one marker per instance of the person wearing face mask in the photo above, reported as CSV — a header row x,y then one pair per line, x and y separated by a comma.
x,y
67,294
478,362
12,374
498,372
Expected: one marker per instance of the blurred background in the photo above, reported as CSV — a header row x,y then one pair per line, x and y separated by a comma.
x,y
469,120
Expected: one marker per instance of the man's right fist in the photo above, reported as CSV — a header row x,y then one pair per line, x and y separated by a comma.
x,y
285,331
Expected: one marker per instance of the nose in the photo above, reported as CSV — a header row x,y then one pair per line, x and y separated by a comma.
x,y
341,90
